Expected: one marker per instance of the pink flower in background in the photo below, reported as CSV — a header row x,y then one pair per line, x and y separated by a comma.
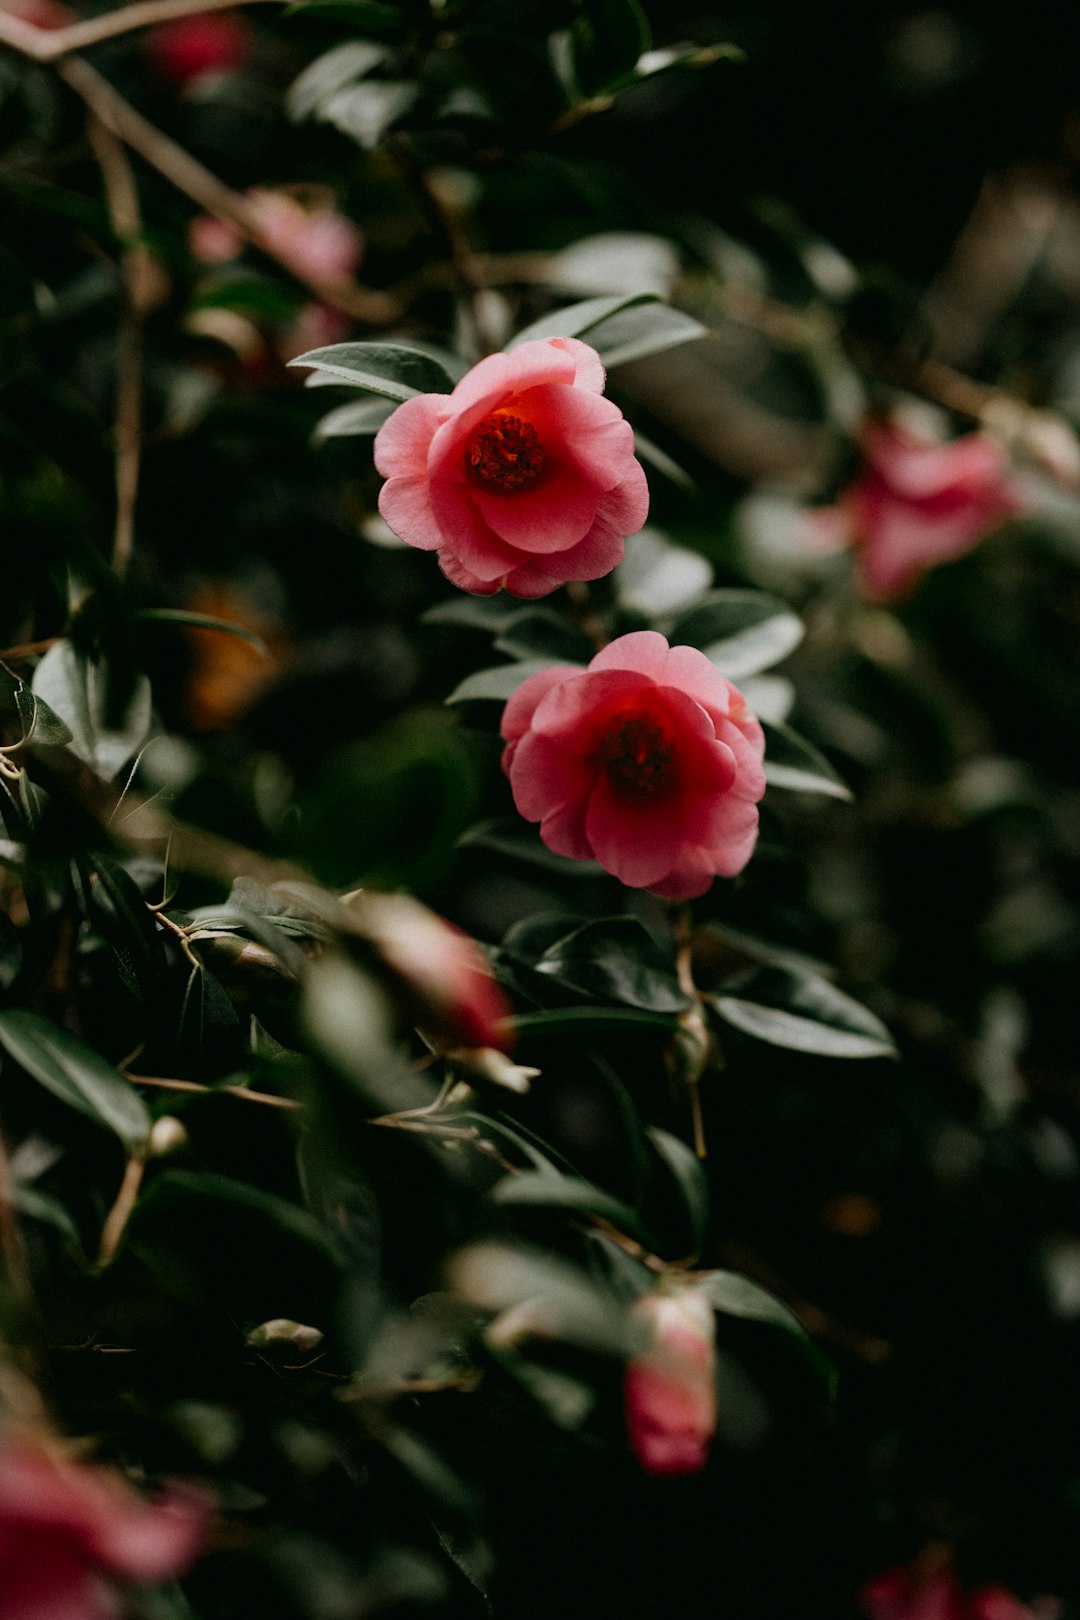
x,y
925,1590
669,1391
316,242
69,1533
523,477
915,503
189,47
648,761
314,327
46,14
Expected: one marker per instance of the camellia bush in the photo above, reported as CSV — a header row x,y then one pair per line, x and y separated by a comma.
x,y
541,891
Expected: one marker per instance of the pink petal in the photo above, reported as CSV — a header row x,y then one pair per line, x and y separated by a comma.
x,y
572,712
627,505
590,431
521,706
153,1541
544,777
592,558
553,514
639,844
403,441
465,534
459,576
643,650
589,368
405,504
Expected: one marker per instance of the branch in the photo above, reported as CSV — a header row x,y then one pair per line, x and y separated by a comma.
x,y
43,45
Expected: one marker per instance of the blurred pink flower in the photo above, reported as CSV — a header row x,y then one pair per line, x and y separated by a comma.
x,y
648,761
69,1532
669,1390
925,1590
524,476
315,326
915,503
452,993
188,47
318,243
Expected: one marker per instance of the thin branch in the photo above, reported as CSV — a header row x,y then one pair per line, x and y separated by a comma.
x,y
244,1093
138,271
12,1249
112,1232
50,45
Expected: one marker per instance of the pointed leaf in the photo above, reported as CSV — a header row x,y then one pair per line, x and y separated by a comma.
x,y
741,632
802,1013
575,320
76,1074
791,762
395,370
500,683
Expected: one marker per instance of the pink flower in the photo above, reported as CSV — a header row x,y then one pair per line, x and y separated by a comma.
x,y
916,503
318,243
314,326
669,1391
186,48
70,1532
445,977
213,240
925,1590
46,14
648,761
523,476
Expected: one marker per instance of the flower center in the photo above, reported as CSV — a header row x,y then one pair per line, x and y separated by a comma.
x,y
638,756
505,452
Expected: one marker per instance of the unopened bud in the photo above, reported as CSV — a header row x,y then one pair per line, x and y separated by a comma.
x,y
167,1135
283,1333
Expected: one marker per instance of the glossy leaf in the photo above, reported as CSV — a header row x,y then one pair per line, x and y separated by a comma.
x,y
538,632
578,320
618,959
686,1171
363,417
632,334
792,762
536,1190
77,690
75,1073
741,632
607,38
395,370
497,684
802,1013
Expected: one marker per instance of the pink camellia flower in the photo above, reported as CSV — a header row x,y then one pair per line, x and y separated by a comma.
x,y
669,1390
524,476
648,761
929,1590
316,242
189,47
70,1533
443,973
46,14
915,503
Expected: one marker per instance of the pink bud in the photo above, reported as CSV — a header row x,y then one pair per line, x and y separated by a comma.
x,y
669,1392
213,240
319,244
188,47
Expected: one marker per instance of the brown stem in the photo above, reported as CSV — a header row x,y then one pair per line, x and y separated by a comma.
x,y
137,268
29,649
12,1248
245,1094
116,1220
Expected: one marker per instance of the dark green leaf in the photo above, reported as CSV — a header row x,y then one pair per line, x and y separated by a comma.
x,y
364,416
735,1295
488,613
77,690
634,333
536,1190
76,1074
607,37
579,1021
617,958
395,370
803,1013
331,72
686,1172
204,621
791,762
575,320
741,632
537,632
177,1186
521,841
497,684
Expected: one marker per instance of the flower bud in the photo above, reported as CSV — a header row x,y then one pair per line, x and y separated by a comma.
x,y
669,1391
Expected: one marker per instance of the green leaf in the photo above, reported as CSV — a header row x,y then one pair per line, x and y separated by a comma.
x,y
39,1206
521,841
538,1190
537,632
76,1074
136,930
488,613
76,689
617,958
607,37
38,722
634,333
741,632
364,112
363,15
685,1170
329,73
735,1295
575,320
177,1187
498,684
364,416
657,577
578,1022
802,1013
497,1276
395,370
791,762
204,621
